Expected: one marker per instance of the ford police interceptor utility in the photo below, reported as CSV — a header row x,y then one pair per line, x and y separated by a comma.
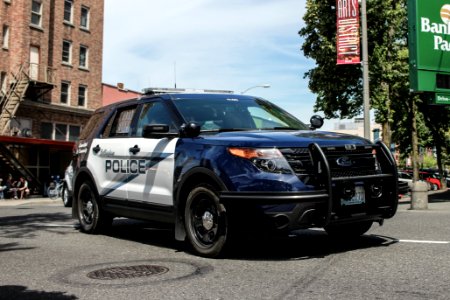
x,y
215,165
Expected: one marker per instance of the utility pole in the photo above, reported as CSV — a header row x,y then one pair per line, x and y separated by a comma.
x,y
365,63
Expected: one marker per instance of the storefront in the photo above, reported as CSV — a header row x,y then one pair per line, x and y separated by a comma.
x,y
35,159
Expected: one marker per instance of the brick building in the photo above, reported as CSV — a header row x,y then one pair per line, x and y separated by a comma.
x,y
50,82
116,93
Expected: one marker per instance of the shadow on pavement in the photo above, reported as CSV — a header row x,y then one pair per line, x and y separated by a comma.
x,y
441,196
21,292
302,244
25,226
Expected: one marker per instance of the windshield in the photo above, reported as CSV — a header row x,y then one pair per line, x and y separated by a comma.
x,y
222,114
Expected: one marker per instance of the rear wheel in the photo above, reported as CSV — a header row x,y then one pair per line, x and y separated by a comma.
x,y
350,230
67,199
92,218
205,221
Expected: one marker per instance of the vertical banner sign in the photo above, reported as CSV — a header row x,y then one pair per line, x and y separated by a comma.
x,y
347,33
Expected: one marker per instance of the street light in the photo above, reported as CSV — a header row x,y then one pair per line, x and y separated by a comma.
x,y
256,86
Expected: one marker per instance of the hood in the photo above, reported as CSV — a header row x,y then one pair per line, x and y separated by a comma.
x,y
266,138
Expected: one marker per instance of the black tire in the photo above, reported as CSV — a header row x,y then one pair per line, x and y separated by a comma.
x,y
350,230
66,198
434,187
92,218
205,221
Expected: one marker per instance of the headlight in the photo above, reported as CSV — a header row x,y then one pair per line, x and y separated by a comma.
x,y
267,160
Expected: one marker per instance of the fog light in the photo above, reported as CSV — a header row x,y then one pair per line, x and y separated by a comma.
x,y
377,190
348,191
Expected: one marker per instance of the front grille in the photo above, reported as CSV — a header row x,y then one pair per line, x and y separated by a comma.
x,y
351,163
343,162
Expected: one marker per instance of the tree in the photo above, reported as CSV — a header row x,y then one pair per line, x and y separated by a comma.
x,y
339,87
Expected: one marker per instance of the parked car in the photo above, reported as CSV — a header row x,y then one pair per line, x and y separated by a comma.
x,y
435,183
405,177
67,192
431,179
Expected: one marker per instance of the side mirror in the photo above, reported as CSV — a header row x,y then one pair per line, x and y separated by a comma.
x,y
155,130
190,130
316,122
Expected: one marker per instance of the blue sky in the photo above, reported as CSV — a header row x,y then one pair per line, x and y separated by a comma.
x,y
213,44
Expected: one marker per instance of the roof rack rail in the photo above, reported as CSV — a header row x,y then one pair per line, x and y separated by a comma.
x,y
157,91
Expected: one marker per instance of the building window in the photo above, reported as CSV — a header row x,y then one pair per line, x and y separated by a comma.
x,y
68,11
60,132
47,131
65,92
84,57
84,19
5,43
74,132
36,13
82,95
67,52
3,81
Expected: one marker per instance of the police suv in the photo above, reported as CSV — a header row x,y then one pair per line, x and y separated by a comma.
x,y
215,165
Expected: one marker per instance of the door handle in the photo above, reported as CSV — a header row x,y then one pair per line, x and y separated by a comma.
x,y
96,149
135,149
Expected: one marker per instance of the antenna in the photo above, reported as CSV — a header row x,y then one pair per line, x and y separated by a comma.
x,y
175,73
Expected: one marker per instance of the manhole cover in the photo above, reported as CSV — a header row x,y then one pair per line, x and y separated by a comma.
x,y
127,272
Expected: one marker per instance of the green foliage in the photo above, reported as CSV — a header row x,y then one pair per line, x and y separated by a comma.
x,y
428,162
339,88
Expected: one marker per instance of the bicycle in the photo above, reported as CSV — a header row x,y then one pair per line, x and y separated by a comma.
x,y
55,189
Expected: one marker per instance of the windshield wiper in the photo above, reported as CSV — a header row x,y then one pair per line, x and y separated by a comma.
x,y
227,129
282,128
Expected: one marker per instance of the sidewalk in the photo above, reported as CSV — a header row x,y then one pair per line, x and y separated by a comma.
x,y
433,197
31,200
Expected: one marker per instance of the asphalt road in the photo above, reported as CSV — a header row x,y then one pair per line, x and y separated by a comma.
x,y
44,256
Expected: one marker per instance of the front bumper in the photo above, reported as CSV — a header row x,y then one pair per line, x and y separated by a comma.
x,y
318,208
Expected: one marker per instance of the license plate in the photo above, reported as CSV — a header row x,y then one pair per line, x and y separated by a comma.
x,y
358,198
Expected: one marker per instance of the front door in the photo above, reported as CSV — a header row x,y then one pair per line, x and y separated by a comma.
x,y
153,184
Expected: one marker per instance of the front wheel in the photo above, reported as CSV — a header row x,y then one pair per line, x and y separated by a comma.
x,y
350,230
205,221
92,218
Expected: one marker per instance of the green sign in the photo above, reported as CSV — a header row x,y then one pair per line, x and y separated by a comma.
x,y
442,99
429,45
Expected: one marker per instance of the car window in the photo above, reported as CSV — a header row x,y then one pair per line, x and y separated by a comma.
x,y
92,124
236,113
154,113
121,125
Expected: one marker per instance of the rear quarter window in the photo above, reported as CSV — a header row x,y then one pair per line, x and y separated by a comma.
x,y
92,125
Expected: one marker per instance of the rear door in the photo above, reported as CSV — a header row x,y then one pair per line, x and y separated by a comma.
x,y
108,158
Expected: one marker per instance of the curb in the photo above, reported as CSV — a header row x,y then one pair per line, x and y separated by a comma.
x,y
13,202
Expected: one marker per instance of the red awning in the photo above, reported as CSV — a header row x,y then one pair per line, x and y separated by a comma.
x,y
60,145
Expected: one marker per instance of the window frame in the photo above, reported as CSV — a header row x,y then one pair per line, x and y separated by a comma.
x,y
69,55
86,16
67,94
5,37
36,13
84,95
70,12
86,57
